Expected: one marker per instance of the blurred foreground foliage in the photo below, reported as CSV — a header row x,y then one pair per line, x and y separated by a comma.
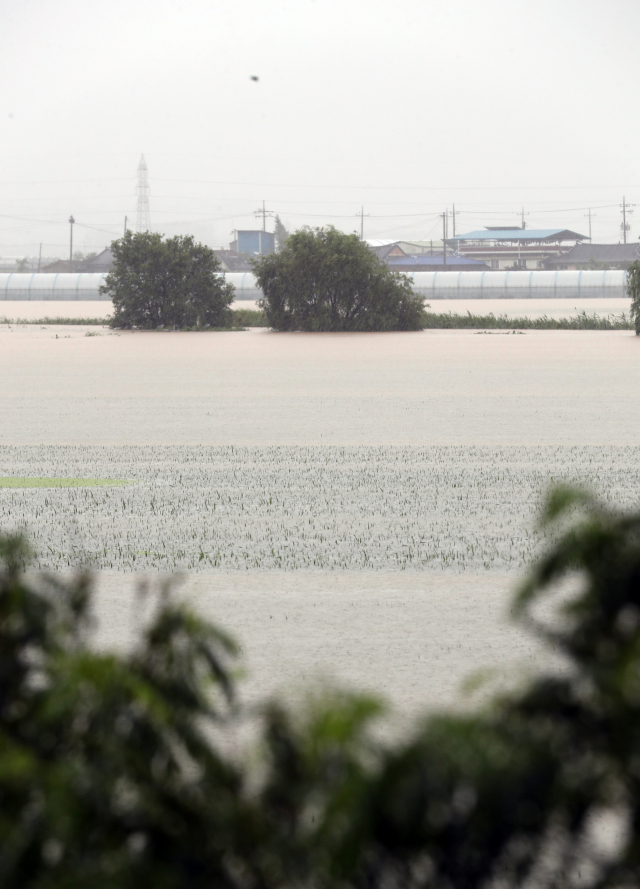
x,y
114,771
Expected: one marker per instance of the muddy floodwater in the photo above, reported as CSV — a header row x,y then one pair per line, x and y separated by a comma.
x,y
356,507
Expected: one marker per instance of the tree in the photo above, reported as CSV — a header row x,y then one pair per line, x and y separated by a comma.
x,y
172,283
22,265
280,232
633,290
325,280
82,261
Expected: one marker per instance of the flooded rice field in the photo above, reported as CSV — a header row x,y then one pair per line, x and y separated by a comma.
x,y
412,638
442,509
357,506
515,308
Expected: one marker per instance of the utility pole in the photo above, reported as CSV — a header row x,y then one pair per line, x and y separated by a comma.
x,y
444,239
39,257
524,224
627,210
589,215
125,225
362,214
264,213
454,220
71,221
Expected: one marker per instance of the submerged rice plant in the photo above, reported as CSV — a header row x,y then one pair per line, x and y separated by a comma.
x,y
297,508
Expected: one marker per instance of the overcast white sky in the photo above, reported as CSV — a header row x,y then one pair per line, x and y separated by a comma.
x,y
404,108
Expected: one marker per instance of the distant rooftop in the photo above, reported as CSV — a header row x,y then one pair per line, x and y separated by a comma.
x,y
602,254
521,234
425,261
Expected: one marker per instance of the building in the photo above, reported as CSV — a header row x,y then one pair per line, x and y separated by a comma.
x,y
232,261
254,242
385,250
596,256
102,262
423,262
515,248
59,266
411,248
406,256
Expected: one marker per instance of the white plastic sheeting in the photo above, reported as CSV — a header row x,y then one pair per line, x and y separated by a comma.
x,y
245,284
560,284
44,286
520,285
431,285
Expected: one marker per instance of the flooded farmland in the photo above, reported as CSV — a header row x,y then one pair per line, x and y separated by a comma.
x,y
319,490
531,308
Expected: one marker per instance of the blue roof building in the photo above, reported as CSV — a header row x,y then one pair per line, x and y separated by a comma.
x,y
522,235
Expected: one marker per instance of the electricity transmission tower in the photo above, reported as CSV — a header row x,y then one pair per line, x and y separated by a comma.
x,y
144,220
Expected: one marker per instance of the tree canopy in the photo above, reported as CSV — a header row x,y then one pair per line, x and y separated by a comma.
x,y
325,280
167,283
280,232
115,771
633,290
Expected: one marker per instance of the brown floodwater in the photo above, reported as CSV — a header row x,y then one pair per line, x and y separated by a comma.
x,y
71,386
413,638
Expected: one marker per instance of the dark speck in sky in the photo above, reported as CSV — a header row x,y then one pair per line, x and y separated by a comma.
x,y
253,77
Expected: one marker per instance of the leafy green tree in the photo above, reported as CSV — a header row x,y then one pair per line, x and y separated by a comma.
x,y
280,232
325,280
633,290
172,283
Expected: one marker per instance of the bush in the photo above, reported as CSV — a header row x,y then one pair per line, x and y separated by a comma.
x,y
249,318
173,283
324,280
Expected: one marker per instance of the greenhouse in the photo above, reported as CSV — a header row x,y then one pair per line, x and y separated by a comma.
x,y
520,284
43,286
432,285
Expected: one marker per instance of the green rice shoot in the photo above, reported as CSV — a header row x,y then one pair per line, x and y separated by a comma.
x,y
9,481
